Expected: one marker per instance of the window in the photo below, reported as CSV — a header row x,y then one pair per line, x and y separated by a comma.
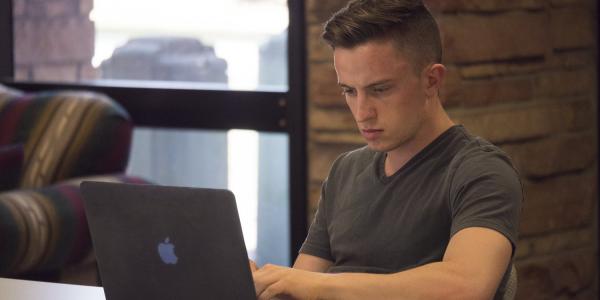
x,y
230,44
191,79
253,165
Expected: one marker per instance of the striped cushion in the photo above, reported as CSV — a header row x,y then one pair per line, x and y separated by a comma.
x,y
11,163
45,229
66,134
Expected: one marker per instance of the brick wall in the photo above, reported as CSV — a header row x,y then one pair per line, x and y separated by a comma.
x,y
522,74
54,40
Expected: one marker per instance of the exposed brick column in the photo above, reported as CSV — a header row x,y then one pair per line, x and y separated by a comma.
x,y
522,74
54,40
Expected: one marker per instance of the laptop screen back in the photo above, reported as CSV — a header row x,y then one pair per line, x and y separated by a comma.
x,y
156,242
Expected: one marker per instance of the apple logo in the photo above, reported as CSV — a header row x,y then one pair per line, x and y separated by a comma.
x,y
166,250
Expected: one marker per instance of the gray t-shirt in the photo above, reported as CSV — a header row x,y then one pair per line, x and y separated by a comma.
x,y
369,222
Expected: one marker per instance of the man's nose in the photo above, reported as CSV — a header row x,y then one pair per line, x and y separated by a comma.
x,y
364,109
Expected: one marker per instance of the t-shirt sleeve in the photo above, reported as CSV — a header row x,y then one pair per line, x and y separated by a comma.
x,y
317,240
486,192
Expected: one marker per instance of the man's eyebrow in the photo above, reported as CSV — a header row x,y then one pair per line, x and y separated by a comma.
x,y
380,82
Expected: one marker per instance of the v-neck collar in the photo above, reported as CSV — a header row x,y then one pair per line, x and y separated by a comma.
x,y
421,155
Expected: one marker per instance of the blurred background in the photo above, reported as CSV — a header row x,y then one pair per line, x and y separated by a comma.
x,y
522,74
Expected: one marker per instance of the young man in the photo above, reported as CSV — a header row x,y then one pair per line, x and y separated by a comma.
x,y
426,210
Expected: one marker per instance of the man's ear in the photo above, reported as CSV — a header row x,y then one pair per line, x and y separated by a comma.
x,y
432,79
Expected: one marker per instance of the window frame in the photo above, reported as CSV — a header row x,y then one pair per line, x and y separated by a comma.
x,y
187,108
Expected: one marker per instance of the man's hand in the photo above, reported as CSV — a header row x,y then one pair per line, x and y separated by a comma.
x,y
253,267
278,282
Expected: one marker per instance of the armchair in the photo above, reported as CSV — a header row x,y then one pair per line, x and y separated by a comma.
x,y
65,137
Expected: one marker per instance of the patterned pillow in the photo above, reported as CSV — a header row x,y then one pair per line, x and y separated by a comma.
x,y
11,163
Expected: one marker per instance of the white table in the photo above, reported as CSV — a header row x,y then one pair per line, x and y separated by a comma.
x,y
12,289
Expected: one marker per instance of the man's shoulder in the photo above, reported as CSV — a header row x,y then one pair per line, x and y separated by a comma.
x,y
479,155
356,158
475,149
359,154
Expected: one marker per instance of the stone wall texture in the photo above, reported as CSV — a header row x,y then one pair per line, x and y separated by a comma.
x,y
522,74
54,40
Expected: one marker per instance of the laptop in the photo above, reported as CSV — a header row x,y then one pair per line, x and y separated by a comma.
x,y
159,242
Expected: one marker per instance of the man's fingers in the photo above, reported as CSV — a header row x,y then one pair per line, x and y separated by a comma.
x,y
270,292
253,266
265,277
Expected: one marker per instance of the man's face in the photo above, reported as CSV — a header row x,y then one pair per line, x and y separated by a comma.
x,y
386,97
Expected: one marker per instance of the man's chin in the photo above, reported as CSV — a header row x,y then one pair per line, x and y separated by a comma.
x,y
377,147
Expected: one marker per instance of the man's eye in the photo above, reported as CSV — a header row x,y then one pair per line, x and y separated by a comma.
x,y
346,92
380,89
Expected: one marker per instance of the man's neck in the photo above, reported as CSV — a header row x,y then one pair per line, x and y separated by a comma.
x,y
397,158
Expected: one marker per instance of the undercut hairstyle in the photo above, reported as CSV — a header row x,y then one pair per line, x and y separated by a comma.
x,y
408,23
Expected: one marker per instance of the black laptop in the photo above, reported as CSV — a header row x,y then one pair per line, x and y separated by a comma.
x,y
158,242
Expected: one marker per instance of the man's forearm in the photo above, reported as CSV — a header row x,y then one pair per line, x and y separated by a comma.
x,y
433,281
472,268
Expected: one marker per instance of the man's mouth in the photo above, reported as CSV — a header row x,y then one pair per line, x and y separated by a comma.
x,y
371,134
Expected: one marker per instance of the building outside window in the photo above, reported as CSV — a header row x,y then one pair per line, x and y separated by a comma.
x,y
228,45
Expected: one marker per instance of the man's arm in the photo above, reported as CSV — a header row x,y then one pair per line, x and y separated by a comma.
x,y
472,268
312,263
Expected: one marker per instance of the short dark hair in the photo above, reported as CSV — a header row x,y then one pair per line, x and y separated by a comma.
x,y
407,22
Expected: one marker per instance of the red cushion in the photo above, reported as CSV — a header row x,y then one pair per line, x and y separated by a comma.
x,y
11,163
